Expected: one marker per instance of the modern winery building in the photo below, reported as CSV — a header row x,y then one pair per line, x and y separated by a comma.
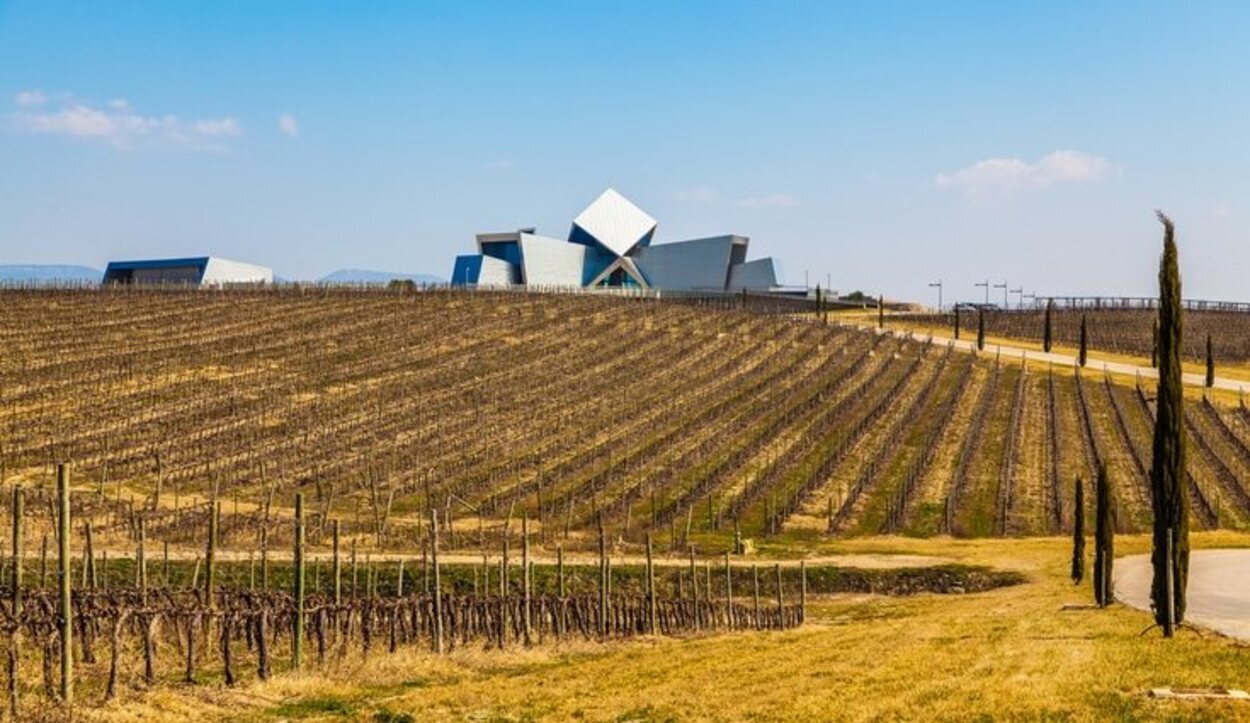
x,y
610,245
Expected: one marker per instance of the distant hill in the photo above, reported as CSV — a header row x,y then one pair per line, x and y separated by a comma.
x,y
364,276
47,274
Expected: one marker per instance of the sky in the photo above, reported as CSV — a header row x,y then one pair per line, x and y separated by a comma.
x,y
880,146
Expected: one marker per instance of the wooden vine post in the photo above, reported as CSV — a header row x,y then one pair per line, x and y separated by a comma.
x,y
141,560
297,637
15,636
526,599
780,607
652,626
438,591
755,576
694,589
210,568
338,570
729,593
560,569
603,579
802,591
67,611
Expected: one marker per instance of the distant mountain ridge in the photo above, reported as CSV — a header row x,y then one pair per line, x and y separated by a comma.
x,y
47,273
366,276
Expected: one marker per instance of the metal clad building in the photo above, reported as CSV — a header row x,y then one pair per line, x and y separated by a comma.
x,y
610,245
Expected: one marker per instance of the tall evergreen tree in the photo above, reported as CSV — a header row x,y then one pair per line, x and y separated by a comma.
x,y
1154,344
1104,539
880,311
1168,495
956,322
1084,343
981,328
1047,334
1210,364
1078,534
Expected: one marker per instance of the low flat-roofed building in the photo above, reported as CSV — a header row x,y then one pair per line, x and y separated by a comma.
x,y
193,271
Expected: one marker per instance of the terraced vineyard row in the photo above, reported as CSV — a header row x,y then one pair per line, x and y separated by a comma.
x,y
684,421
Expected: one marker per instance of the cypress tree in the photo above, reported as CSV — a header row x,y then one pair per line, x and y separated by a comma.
x,y
880,311
1210,364
1154,344
1078,534
1104,539
819,305
1168,496
956,322
1084,342
1046,333
981,328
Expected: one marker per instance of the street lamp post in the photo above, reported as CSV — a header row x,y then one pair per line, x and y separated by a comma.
x,y
1002,286
986,285
938,284
1019,297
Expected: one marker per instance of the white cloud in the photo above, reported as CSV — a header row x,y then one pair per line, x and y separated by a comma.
x,y
1002,175
500,165
288,125
772,200
30,98
117,124
698,194
218,128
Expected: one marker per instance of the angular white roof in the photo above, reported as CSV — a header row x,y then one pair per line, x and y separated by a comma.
x,y
615,222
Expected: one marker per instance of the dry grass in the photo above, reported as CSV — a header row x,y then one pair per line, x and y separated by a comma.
x,y
1006,654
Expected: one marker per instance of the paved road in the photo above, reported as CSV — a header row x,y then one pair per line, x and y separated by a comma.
x,y
1219,588
1068,360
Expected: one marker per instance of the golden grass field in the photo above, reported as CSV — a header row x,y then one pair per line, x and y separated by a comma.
x,y
1009,654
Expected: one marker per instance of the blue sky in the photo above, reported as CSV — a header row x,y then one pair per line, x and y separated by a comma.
x,y
883,144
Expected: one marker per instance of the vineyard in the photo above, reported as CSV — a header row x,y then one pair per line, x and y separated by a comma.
x,y
1115,330
481,425
687,423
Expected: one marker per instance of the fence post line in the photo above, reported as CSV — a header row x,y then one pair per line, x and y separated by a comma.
x,y
297,637
651,611
729,593
438,592
67,612
15,638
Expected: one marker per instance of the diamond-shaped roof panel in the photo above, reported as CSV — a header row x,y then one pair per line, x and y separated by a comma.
x,y
615,222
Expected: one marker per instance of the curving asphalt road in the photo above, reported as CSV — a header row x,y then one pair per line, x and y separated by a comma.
x,y
1219,588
